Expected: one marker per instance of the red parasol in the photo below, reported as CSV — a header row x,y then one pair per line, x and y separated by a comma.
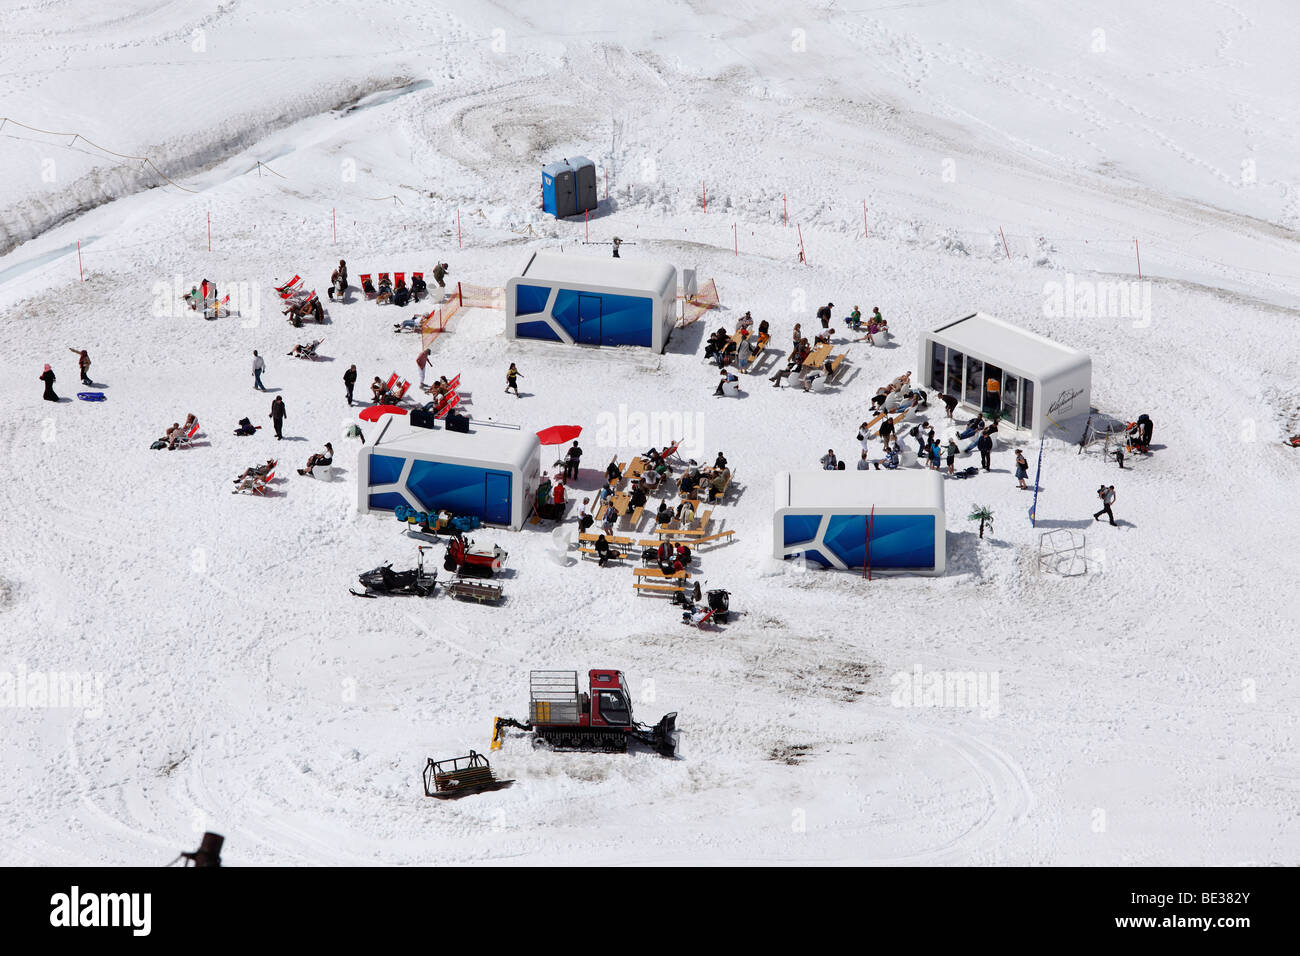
x,y
559,434
374,412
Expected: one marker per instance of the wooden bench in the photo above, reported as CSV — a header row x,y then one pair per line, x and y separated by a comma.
x,y
592,538
702,522
614,555
837,363
729,536
817,356
656,573
636,468
642,586
634,518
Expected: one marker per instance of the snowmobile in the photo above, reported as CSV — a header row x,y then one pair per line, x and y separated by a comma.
x,y
384,580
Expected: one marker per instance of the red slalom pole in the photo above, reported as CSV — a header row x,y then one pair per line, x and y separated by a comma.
x,y
80,271
1137,250
1004,242
802,256
458,229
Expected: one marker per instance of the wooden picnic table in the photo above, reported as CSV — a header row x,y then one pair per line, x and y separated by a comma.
x,y
619,501
818,355
636,468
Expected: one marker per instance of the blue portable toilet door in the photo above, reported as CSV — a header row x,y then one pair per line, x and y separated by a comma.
x,y
589,309
496,497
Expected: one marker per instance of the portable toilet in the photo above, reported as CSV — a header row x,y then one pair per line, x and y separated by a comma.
x,y
558,196
584,183
569,187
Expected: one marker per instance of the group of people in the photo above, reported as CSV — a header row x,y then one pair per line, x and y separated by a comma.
x,y
876,324
696,484
738,349
399,294
308,308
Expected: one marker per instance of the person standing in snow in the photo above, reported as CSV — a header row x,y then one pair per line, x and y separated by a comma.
x,y
277,416
259,366
422,363
439,273
824,313
1107,495
886,429
617,242
349,382
47,377
571,460
952,455
83,362
985,445
1022,468
512,380
585,518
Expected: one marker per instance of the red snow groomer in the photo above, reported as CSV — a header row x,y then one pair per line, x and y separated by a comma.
x,y
563,718
467,560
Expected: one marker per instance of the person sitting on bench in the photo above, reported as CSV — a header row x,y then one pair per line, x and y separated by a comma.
x,y
685,512
258,471
324,458
664,514
719,484
603,551
689,482
637,499
612,474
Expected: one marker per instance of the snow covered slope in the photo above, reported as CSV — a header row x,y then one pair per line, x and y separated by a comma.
x,y
1144,713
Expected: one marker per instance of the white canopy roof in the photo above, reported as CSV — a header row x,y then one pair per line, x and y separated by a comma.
x,y
1009,345
904,490
638,274
505,446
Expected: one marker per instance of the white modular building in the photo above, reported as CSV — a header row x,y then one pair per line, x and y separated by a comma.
x,y
891,520
584,300
1025,381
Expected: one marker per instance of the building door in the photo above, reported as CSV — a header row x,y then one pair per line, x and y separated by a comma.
x,y
589,319
992,404
1010,399
496,497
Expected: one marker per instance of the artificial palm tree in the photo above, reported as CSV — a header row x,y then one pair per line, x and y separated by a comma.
x,y
984,516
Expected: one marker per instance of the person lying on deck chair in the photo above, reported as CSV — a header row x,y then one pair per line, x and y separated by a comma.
x,y
418,287
385,290
368,287
324,458
258,471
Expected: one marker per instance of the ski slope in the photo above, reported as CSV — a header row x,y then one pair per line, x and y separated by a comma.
x,y
1145,712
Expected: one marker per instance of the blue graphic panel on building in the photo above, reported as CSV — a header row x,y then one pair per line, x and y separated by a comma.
x,y
897,541
530,299
437,485
387,501
385,469
797,529
813,555
536,330
624,319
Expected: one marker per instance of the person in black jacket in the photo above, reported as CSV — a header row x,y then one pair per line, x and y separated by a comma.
x,y
47,377
277,416
985,445
949,403
349,382
571,460
824,313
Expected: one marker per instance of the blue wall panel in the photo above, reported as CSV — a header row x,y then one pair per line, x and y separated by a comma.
x,y
799,528
536,330
385,469
530,299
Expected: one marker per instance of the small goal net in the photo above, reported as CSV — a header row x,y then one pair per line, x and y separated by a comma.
x,y
1063,552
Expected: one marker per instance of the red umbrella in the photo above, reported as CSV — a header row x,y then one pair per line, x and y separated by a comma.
x,y
374,412
559,434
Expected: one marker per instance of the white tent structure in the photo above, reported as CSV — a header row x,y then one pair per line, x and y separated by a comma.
x,y
490,472
1024,380
588,301
894,520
